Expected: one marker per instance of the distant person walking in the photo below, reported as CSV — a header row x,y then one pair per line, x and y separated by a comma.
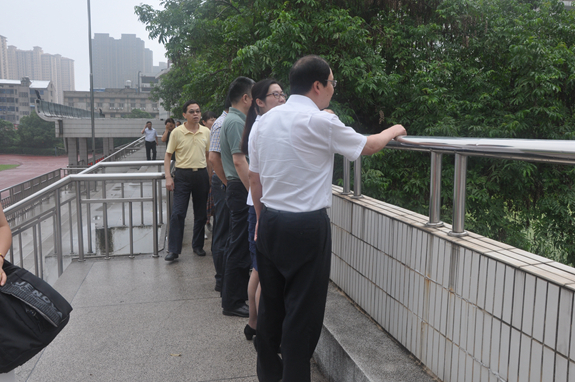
x,y
151,140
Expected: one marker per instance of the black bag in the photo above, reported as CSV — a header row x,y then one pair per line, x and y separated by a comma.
x,y
32,313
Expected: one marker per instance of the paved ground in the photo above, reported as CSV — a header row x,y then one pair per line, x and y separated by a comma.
x,y
30,166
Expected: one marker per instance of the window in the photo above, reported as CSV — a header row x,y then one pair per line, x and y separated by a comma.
x,y
24,104
25,113
121,105
142,106
71,104
23,95
100,104
112,104
7,91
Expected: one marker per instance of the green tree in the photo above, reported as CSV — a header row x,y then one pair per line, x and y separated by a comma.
x,y
8,135
489,68
34,132
138,113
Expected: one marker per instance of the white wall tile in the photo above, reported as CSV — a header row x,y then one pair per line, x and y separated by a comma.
x,y
561,366
499,291
467,262
476,371
548,366
460,271
474,278
536,362
508,294
515,356
465,328
528,303
435,356
471,329
449,318
479,317
462,363
484,268
564,321
484,374
571,371
495,344
468,368
446,264
456,320
539,309
444,309
504,349
441,364
487,339
551,315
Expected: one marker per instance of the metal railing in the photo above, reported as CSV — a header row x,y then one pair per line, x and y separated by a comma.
x,y
53,110
13,194
67,214
530,150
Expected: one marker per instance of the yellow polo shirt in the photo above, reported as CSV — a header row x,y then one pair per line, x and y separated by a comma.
x,y
190,148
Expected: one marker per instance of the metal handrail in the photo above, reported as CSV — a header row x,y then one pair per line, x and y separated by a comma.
x,y
530,150
22,220
21,190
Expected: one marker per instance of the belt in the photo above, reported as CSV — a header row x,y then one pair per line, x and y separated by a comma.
x,y
190,169
273,210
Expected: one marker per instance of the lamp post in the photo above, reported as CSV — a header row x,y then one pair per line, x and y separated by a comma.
x,y
91,87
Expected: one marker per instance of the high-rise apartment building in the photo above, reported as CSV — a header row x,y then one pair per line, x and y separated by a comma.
x,y
3,57
38,66
118,61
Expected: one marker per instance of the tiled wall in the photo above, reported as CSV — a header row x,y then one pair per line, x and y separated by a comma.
x,y
471,309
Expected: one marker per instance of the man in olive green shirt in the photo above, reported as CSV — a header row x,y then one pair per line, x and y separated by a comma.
x,y
237,261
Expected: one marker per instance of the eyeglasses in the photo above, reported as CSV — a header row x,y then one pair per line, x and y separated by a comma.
x,y
194,112
333,82
277,95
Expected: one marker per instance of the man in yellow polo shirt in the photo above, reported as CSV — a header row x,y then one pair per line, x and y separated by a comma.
x,y
190,142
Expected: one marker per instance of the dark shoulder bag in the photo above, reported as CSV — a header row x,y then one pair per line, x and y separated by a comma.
x,y
32,313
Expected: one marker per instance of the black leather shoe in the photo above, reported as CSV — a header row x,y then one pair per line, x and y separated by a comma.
x,y
171,256
242,311
218,287
249,332
199,251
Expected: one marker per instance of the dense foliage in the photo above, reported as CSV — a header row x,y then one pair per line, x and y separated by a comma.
x,y
34,136
487,68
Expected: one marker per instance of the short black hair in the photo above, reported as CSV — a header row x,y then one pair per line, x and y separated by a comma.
x,y
150,122
169,120
239,87
306,71
207,115
227,102
190,102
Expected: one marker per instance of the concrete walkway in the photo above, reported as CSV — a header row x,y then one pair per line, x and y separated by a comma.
x,y
144,319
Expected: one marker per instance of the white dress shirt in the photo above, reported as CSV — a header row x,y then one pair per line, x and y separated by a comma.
x,y
292,149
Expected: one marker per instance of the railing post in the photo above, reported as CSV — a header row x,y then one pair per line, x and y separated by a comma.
x,y
58,233
79,222
357,178
131,230
89,218
459,182
435,191
105,218
346,177
155,216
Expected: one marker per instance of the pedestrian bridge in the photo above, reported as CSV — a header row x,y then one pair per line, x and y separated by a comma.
x,y
411,299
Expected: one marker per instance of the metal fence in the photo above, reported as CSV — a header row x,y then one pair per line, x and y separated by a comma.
x,y
61,220
531,150
13,194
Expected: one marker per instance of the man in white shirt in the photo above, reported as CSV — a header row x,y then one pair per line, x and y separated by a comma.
x,y
291,166
151,140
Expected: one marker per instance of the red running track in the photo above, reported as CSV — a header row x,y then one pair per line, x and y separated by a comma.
x,y
30,166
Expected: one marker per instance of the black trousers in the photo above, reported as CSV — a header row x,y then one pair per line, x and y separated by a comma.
x,y
220,233
294,259
150,146
238,262
195,183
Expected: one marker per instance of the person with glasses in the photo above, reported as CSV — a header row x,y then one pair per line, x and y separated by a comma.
x,y
267,94
238,262
190,142
291,167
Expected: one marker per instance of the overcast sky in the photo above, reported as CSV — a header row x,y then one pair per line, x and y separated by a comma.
x,y
61,27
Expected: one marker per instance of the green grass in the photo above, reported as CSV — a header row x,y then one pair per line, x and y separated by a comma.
x,y
7,166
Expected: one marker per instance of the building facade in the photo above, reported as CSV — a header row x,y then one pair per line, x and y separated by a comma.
x,y
38,66
18,97
118,61
113,103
